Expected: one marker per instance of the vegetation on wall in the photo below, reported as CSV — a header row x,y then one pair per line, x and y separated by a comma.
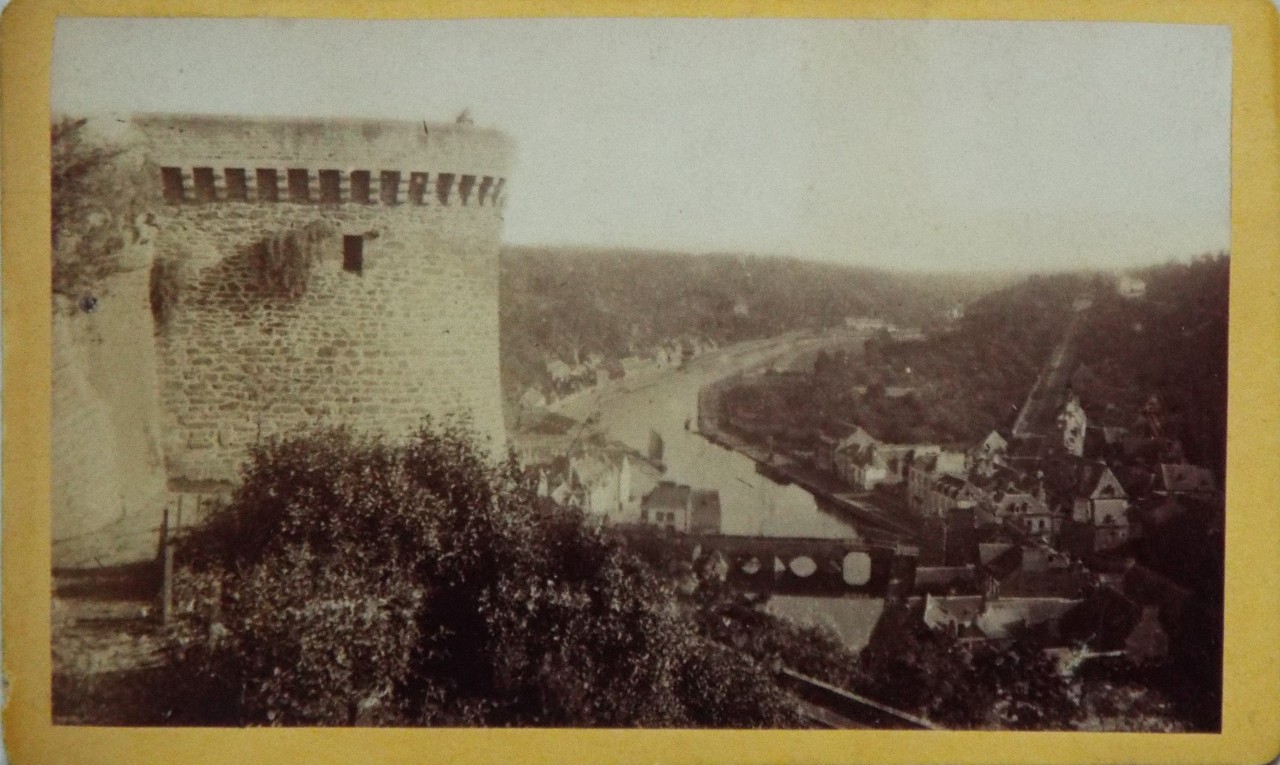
x,y
165,287
282,262
99,192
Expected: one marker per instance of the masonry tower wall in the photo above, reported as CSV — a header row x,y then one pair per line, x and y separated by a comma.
x,y
398,319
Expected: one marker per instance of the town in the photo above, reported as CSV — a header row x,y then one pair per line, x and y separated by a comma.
x,y
1104,540
858,391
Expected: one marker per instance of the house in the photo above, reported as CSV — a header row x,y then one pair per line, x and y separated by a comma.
x,y
993,448
667,506
677,507
1030,569
927,466
607,482
1101,499
1073,425
1037,519
1130,287
824,449
1184,481
853,455
1005,495
948,492
862,466
865,323
978,618
1098,506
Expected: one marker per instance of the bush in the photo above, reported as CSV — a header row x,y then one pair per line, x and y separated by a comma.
x,y
350,581
97,194
965,685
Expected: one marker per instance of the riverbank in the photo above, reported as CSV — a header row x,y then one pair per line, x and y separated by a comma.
x,y
876,524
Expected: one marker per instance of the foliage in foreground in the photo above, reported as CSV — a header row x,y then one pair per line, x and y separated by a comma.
x,y
97,195
354,582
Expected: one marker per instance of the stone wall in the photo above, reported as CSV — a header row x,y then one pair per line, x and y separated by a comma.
x,y
414,333
409,330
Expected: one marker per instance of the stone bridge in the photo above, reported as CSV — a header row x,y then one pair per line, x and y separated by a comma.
x,y
805,565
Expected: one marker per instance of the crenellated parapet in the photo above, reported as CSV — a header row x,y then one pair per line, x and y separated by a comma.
x,y
301,185
205,159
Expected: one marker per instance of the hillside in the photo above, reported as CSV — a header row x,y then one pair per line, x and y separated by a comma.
x,y
955,386
961,383
567,304
1170,343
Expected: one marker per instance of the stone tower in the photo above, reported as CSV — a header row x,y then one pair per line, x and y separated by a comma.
x,y
396,315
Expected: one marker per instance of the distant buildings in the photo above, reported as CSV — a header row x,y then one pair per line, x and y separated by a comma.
x,y
1130,287
677,507
866,323
924,471
609,482
1073,425
980,618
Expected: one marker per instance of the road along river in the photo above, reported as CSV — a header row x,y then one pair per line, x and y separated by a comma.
x,y
666,402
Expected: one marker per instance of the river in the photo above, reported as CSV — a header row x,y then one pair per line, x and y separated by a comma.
x,y
664,401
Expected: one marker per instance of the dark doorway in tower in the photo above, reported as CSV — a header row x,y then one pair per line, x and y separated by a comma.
x,y
353,253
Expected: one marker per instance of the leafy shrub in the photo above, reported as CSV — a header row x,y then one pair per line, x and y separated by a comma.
x,y
97,194
350,581
964,685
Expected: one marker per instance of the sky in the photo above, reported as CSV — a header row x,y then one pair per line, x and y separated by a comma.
x,y
921,145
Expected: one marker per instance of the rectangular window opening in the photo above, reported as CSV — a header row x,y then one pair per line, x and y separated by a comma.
x,y
237,186
417,188
330,187
268,185
202,178
353,253
483,194
298,181
360,186
390,187
171,180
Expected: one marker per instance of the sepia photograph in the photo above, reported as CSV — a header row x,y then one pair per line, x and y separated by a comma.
x,y
639,373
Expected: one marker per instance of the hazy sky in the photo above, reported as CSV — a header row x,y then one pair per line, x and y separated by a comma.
x,y
887,143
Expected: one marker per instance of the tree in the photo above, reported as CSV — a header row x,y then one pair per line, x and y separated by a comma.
x,y
959,684
98,193
351,581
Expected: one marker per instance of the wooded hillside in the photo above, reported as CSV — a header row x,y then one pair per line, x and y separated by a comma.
x,y
568,303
